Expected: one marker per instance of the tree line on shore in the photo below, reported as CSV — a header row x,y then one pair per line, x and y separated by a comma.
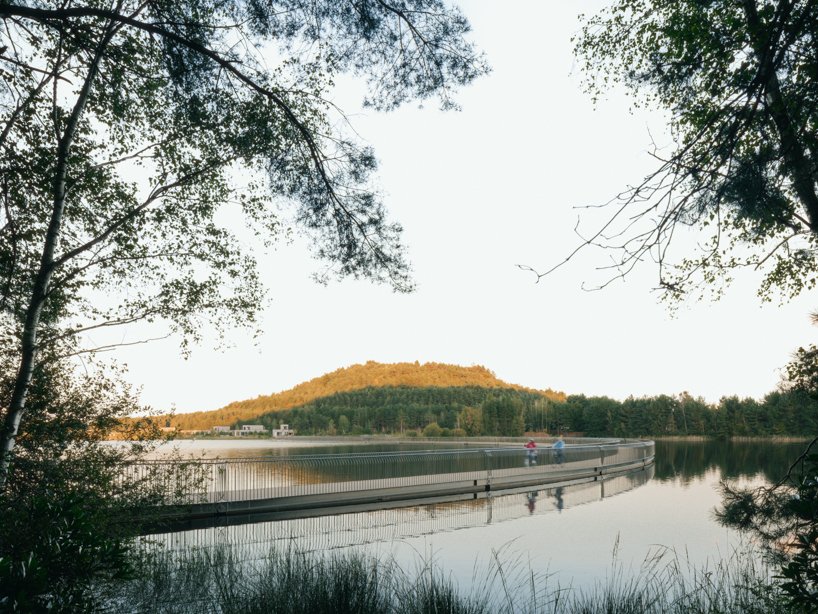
x,y
474,411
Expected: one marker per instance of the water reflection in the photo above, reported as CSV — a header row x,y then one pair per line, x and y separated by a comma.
x,y
686,460
388,525
231,447
551,528
677,461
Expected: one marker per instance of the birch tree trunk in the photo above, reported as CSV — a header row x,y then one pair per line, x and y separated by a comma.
x,y
42,281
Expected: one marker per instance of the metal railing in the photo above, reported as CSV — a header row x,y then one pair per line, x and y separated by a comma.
x,y
219,486
388,525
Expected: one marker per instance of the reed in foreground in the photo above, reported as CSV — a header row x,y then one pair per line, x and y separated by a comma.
x,y
225,581
289,582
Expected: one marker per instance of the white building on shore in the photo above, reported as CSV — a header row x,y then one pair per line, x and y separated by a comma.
x,y
284,431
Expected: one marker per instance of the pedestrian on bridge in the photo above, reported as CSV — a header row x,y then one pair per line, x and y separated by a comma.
x,y
559,450
531,453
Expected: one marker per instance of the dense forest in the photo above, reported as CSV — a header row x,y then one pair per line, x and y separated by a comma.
x,y
778,413
356,377
471,411
435,399
464,411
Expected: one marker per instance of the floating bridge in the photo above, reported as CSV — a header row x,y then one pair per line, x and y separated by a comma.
x,y
254,539
201,492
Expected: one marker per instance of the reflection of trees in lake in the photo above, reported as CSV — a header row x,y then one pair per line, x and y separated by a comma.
x,y
684,460
687,460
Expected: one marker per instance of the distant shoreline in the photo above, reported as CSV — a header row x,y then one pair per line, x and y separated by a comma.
x,y
774,438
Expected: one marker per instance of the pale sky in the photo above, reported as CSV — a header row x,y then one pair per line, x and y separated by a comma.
x,y
477,192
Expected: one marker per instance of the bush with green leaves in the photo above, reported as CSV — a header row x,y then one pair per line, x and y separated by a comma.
x,y
62,539
784,518
432,429
58,553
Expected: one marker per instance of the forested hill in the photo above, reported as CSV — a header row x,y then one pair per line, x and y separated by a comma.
x,y
357,377
453,410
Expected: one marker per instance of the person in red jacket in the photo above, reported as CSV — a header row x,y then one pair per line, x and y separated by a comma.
x,y
531,452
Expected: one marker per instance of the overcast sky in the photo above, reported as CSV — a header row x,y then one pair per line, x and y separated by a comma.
x,y
479,191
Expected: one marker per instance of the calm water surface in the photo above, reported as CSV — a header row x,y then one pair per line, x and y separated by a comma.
x,y
571,534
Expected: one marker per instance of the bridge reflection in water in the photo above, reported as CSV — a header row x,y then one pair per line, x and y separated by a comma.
x,y
253,537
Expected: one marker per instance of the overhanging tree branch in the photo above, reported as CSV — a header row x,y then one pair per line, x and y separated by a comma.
x,y
50,17
742,101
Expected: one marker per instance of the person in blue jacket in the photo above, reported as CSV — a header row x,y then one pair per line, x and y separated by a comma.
x,y
559,450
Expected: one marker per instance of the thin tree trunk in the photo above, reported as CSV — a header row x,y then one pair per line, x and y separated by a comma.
x,y
42,281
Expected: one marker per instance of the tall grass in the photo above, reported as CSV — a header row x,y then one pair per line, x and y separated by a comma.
x,y
293,582
289,582
669,582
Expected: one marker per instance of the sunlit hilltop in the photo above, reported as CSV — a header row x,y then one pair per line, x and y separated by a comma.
x,y
355,377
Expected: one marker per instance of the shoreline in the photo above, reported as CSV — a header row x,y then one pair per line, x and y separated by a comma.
x,y
743,438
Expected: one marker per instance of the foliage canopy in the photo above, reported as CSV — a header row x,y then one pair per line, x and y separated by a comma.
x,y
738,83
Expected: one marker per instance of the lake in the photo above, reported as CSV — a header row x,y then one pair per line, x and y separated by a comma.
x,y
573,535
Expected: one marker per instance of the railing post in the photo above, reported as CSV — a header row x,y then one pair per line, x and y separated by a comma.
x,y
221,482
488,459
